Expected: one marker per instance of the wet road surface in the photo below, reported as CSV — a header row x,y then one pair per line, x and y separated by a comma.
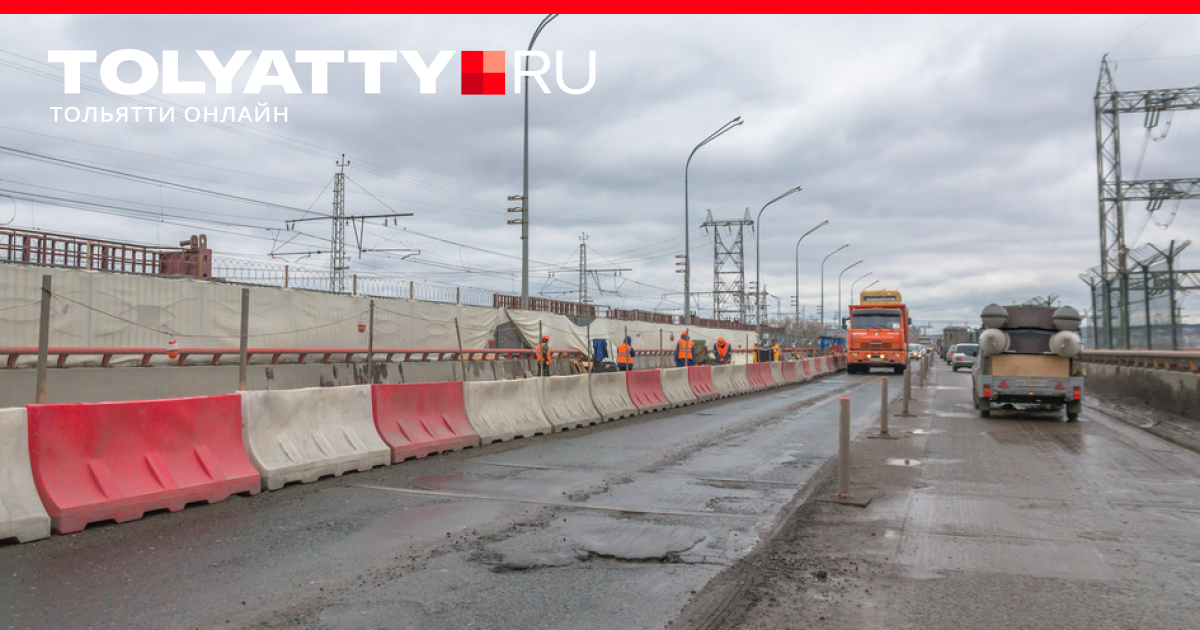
x,y
613,526
1020,520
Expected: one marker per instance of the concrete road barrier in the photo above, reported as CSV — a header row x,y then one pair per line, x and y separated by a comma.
x,y
419,419
807,369
676,387
759,375
723,380
645,389
305,434
741,378
567,402
505,410
104,461
777,376
22,515
700,380
611,396
788,370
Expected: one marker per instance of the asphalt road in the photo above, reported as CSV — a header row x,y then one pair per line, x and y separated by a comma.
x,y
615,526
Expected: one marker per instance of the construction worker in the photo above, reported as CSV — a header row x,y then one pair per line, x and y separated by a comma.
x,y
625,354
683,351
543,356
754,356
722,351
776,353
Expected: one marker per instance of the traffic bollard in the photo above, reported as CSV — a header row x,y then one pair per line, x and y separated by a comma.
x,y
844,451
907,394
883,407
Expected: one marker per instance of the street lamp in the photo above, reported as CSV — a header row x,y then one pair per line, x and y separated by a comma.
x,y
839,311
856,282
687,235
823,284
819,226
525,174
757,278
868,287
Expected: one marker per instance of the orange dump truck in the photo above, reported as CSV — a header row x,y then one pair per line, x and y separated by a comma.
x,y
878,333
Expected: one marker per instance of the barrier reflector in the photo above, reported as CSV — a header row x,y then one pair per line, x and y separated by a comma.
x,y
419,419
22,515
567,402
104,461
611,396
676,387
741,378
788,371
700,380
777,373
305,434
645,390
506,410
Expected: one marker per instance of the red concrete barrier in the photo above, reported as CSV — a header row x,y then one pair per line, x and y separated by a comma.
x,y
118,460
700,378
645,389
789,371
759,375
807,366
419,419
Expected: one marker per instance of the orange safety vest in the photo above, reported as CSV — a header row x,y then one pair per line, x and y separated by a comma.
x,y
775,353
685,349
722,353
543,353
623,353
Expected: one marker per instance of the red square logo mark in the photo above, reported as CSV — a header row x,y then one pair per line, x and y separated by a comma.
x,y
482,71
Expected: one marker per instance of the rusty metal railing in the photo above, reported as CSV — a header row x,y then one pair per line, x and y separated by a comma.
x,y
1176,360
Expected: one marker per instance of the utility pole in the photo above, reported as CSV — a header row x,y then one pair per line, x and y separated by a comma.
x,y
585,272
729,270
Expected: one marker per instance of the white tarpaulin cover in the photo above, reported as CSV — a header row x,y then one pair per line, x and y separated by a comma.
x,y
645,335
133,311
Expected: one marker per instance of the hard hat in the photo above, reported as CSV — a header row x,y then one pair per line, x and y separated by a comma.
x,y
546,337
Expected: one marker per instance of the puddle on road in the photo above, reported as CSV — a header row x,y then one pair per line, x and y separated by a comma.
x,y
949,414
925,431
896,461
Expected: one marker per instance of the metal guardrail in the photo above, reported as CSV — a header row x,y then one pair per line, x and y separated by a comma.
x,y
1176,360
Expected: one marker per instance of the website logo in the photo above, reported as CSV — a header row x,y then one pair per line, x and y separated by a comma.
x,y
483,71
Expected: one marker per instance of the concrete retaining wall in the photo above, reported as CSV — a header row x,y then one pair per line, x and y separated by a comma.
x,y
1174,392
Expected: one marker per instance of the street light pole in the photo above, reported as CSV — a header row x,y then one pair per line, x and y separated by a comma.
x,y
823,284
525,174
868,287
839,311
819,226
757,277
687,233
856,282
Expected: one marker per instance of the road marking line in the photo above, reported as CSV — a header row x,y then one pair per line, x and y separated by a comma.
x,y
580,506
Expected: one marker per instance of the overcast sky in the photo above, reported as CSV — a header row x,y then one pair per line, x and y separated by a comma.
x,y
956,155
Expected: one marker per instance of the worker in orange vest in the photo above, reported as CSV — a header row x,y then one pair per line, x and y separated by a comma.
x,y
543,356
776,354
722,351
683,351
625,354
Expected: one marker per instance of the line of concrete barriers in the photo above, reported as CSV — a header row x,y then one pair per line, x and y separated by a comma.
x,y
63,466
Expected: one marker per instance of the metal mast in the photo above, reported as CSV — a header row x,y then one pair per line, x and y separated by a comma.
x,y
339,262
1114,191
729,269
583,270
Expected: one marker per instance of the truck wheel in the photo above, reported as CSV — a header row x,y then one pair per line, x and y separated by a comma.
x,y
1072,416
899,369
955,368
1073,409
985,413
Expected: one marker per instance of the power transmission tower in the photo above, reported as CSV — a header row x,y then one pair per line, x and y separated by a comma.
x,y
585,271
1115,191
729,270
339,262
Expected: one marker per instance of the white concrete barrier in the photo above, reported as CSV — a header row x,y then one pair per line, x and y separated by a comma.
x,y
777,373
741,381
22,515
611,396
305,434
567,402
505,410
723,381
676,386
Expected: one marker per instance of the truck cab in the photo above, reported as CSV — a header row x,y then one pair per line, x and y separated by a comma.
x,y
1029,356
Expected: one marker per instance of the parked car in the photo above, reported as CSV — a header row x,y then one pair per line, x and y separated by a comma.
x,y
964,355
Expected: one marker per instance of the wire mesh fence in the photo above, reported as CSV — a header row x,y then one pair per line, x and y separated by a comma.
x,y
1137,310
